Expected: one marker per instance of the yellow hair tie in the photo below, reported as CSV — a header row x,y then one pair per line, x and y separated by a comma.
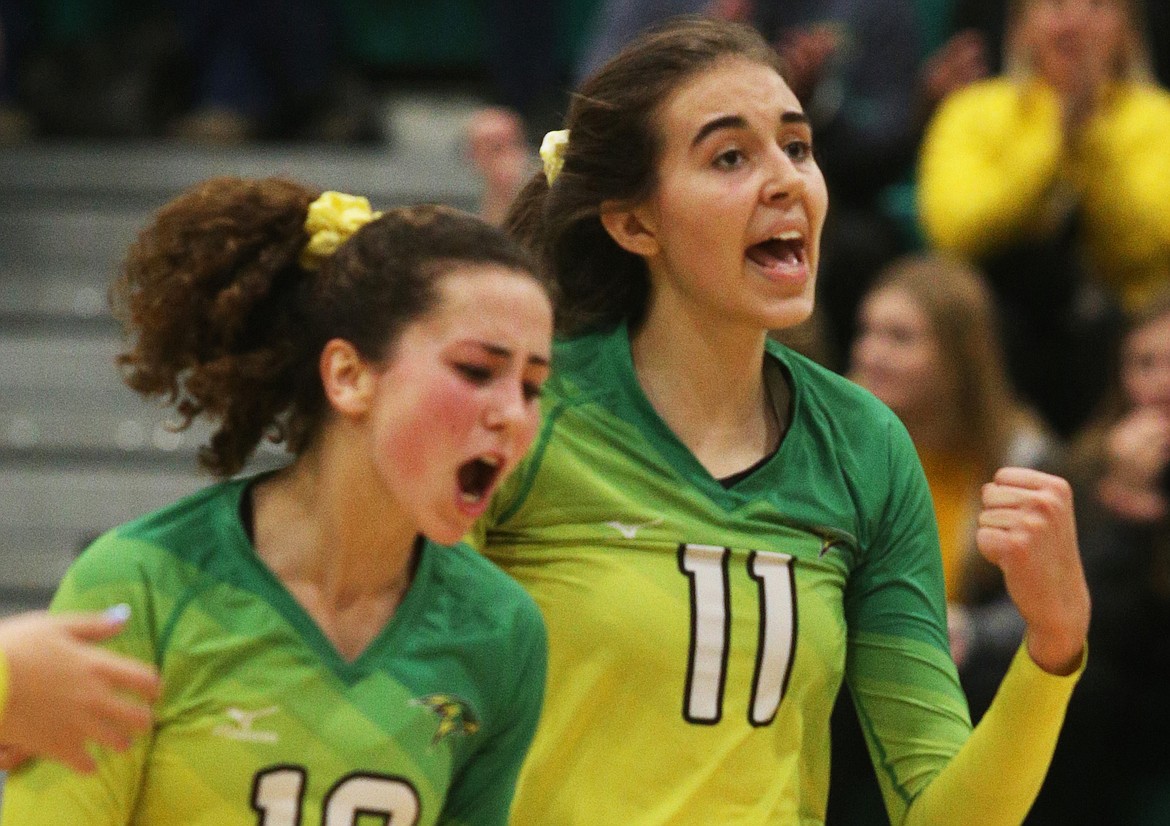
x,y
552,152
331,220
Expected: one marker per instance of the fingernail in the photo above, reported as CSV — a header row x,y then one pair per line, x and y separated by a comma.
x,y
118,613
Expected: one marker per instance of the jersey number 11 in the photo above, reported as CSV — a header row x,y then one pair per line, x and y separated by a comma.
x,y
707,568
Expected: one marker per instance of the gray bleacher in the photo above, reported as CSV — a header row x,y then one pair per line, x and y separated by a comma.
x,y
79,452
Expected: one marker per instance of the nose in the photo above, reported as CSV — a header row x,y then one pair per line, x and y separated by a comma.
x,y
783,181
507,408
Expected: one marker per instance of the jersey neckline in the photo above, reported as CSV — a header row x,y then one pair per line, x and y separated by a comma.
x,y
268,585
617,357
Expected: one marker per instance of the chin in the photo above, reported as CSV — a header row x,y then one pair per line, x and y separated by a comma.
x,y
791,313
447,533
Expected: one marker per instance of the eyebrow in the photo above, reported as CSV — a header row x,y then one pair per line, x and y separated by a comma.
x,y
740,122
504,352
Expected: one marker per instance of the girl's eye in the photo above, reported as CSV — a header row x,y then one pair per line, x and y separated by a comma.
x,y
474,373
798,150
730,159
532,391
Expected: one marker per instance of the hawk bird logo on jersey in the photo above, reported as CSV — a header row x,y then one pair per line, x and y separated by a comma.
x,y
456,717
830,538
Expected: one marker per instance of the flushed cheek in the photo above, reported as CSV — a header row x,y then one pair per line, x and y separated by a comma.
x,y
431,441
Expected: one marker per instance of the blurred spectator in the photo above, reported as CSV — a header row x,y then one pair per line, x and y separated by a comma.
x,y
530,78
617,22
213,72
499,151
527,74
1121,470
1055,177
103,68
254,79
927,346
988,17
1128,451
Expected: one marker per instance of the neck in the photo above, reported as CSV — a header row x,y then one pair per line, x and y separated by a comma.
x,y
706,382
324,524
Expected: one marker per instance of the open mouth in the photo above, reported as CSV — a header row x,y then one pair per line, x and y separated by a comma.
x,y
476,478
786,250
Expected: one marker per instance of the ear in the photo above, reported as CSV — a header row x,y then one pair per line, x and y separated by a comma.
x,y
347,378
631,227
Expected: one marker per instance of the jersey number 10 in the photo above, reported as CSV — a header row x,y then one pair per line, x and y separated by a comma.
x,y
278,795
707,568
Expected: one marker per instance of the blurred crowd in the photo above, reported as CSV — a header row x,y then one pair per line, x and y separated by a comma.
x,y
995,268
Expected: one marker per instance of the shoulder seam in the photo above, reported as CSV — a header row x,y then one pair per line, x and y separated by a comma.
x,y
167,630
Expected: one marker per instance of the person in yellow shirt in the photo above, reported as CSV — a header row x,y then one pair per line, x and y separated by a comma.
x,y
1055,177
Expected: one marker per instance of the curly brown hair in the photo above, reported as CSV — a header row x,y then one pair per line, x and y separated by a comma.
x,y
223,321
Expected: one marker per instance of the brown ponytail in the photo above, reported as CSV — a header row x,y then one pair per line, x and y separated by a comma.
x,y
222,320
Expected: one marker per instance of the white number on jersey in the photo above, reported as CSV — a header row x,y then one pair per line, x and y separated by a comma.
x,y
278,792
707,568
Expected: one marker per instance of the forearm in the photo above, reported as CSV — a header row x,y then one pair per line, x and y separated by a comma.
x,y
1019,731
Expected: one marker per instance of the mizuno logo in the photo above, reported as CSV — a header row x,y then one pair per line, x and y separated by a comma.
x,y
631,531
241,726
456,717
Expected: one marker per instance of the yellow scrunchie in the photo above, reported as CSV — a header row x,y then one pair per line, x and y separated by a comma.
x,y
552,152
331,220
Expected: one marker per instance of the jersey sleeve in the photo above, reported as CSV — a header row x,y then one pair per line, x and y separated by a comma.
x,y
931,767
898,666
1019,730
481,795
105,575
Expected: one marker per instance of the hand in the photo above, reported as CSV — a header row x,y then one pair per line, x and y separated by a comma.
x,y
959,61
806,53
1027,528
63,691
740,10
1138,447
1137,452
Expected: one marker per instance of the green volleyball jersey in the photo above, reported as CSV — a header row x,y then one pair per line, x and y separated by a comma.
x,y
261,721
698,635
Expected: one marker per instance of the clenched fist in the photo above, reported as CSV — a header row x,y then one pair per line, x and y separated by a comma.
x,y
1027,529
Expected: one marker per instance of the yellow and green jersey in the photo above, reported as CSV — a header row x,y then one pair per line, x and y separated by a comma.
x,y
698,635
262,722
